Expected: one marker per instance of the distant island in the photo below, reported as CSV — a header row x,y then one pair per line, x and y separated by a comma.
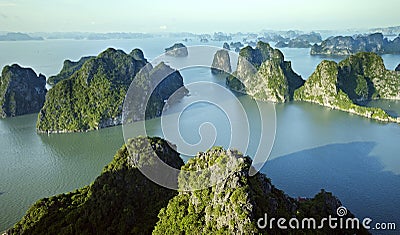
x,y
263,74
347,45
294,43
89,95
21,91
300,41
123,201
19,37
177,50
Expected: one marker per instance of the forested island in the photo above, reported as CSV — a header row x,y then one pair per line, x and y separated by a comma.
x,y
21,91
263,74
89,94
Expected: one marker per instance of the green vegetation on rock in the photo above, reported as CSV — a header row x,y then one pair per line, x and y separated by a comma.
x,y
237,201
123,201
21,91
363,76
359,77
92,97
263,73
69,67
120,201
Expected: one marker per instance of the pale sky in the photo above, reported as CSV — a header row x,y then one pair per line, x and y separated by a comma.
x,y
194,16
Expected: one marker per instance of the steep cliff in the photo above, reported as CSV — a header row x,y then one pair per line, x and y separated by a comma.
x,y
221,62
177,50
21,91
263,74
363,76
92,97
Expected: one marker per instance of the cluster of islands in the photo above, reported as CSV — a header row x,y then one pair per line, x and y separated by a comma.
x,y
88,94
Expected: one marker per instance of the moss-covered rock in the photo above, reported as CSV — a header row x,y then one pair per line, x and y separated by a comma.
x,y
334,85
265,74
123,201
21,91
69,67
92,97
120,201
363,76
237,201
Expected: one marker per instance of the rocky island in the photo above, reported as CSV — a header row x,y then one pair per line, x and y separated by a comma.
x,y
226,46
177,50
19,37
21,91
92,97
123,201
265,74
358,78
221,63
347,45
397,68
294,43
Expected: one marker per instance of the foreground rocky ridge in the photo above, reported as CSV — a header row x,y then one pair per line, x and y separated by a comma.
x,y
92,97
264,74
122,201
21,91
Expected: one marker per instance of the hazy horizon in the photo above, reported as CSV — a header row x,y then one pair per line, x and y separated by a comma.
x,y
206,16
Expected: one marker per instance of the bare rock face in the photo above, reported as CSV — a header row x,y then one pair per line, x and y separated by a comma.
x,y
21,91
397,68
177,50
221,62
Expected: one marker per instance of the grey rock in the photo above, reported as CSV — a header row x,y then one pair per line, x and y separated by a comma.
x,y
221,62
177,50
21,91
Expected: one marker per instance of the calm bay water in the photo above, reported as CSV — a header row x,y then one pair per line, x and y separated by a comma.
x,y
355,158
